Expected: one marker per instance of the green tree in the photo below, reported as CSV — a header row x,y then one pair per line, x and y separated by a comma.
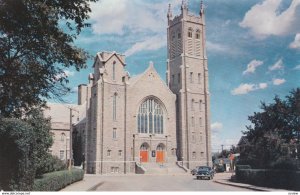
x,y
36,45
277,125
24,150
17,170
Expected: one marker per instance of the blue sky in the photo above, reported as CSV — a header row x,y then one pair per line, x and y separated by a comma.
x,y
253,51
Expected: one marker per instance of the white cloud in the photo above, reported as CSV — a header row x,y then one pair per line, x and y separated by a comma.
x,y
150,43
263,85
296,43
114,17
132,20
263,19
297,67
278,81
277,66
245,88
216,126
251,67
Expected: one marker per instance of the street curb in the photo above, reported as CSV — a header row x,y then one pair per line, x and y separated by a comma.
x,y
246,187
94,187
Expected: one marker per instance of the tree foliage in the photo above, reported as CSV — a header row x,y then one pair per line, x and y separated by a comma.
x,y
273,129
23,151
36,44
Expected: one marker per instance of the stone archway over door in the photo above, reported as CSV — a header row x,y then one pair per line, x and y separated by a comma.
x,y
144,152
160,153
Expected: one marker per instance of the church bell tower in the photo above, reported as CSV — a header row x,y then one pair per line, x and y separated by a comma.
x,y
187,77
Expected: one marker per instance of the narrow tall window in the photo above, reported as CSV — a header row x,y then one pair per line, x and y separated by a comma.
x,y
178,78
198,34
114,71
199,78
193,122
173,79
193,137
200,122
192,104
62,138
115,107
179,35
191,77
114,133
200,105
108,152
120,153
190,33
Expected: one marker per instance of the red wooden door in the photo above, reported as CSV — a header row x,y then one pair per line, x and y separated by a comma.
x,y
159,156
144,156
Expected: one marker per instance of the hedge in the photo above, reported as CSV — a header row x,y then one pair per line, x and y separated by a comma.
x,y
57,180
270,178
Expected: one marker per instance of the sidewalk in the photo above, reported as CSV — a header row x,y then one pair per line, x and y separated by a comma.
x,y
89,183
224,178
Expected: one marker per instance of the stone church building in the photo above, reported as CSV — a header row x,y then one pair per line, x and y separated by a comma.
x,y
135,124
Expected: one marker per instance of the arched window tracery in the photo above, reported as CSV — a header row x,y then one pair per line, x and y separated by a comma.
x,y
150,118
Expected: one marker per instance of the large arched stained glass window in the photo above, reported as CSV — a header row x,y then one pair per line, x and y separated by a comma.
x,y
150,117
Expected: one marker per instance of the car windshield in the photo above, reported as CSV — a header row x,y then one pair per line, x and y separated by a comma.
x,y
203,168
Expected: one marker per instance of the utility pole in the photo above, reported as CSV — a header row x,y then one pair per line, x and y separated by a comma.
x,y
71,151
71,137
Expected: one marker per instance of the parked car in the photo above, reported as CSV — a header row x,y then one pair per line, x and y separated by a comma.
x,y
195,170
205,172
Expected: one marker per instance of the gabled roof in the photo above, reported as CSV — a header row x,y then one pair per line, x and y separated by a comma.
x,y
135,79
99,55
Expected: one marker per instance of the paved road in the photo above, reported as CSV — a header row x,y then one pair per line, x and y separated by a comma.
x,y
160,183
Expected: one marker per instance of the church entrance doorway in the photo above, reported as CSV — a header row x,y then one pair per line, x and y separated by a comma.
x,y
160,153
144,152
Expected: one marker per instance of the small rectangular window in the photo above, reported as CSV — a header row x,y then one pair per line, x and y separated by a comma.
x,y
108,152
120,153
202,154
61,154
199,78
178,78
173,79
179,35
194,155
200,122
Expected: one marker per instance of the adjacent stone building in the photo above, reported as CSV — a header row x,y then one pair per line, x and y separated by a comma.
x,y
133,124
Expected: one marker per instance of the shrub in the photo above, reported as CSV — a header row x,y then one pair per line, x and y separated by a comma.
x,y
270,178
57,180
284,164
51,164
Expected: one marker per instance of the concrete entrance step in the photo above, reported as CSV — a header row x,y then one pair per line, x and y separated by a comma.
x,y
165,168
